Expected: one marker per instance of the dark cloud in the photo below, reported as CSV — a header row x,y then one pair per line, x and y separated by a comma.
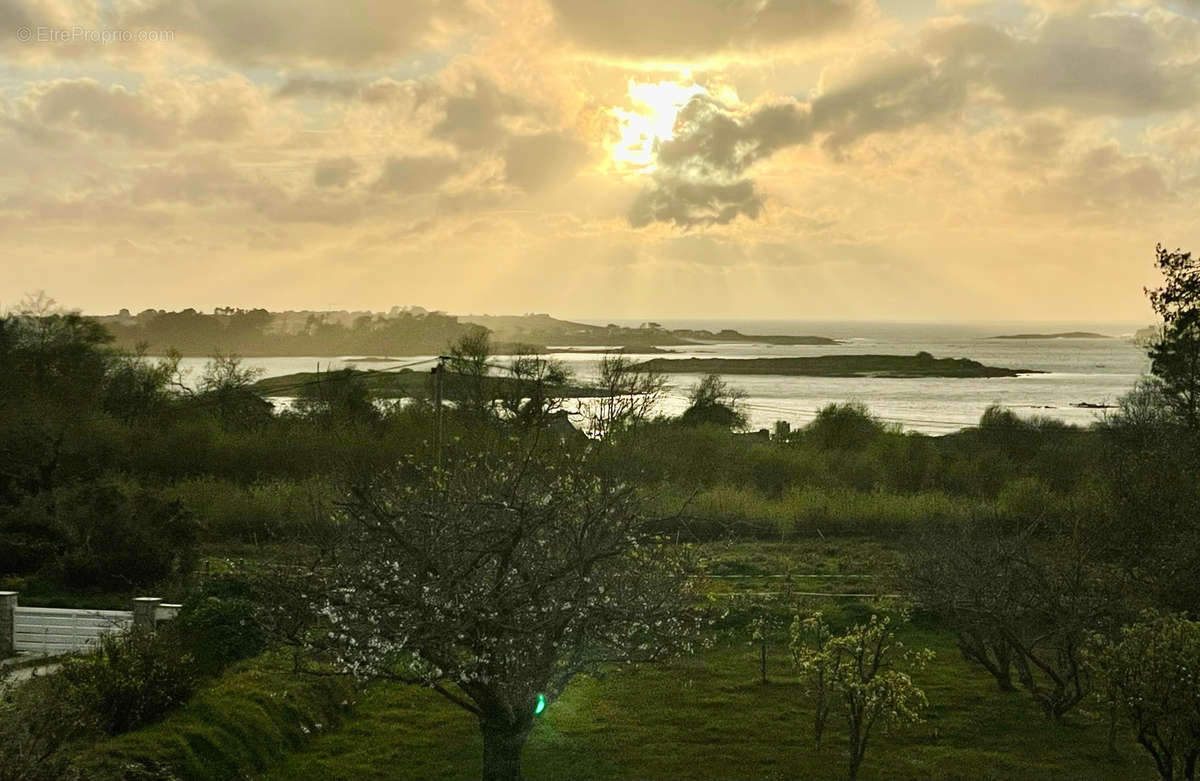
x,y
689,203
351,32
540,161
415,175
698,180
667,29
897,92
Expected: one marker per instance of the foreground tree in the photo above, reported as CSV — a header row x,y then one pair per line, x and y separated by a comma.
x,y
1022,605
497,580
863,674
1175,355
1151,676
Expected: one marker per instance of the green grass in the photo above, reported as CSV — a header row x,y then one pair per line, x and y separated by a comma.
x,y
707,717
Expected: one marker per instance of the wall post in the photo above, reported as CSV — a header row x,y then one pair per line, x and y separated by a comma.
x,y
145,611
8,623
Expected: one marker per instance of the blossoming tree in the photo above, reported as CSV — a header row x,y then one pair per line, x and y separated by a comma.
x,y
497,579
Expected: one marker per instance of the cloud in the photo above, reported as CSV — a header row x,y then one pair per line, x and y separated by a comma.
x,y
542,160
473,117
1115,65
158,115
688,203
200,179
335,172
698,180
385,90
414,175
299,32
690,29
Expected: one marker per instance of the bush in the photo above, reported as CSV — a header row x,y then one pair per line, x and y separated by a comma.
x,y
232,729
36,720
849,425
99,534
131,679
261,512
219,632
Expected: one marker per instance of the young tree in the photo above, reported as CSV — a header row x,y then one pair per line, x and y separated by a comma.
x,y
809,640
1175,355
466,381
498,579
862,673
225,386
1151,675
531,391
629,395
338,397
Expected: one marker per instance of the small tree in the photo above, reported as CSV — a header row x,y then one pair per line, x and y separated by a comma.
x,y
225,387
497,580
338,397
714,402
629,395
1151,676
809,638
863,673
467,382
531,391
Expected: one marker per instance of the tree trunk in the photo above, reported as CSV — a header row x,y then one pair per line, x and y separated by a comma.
x,y
502,745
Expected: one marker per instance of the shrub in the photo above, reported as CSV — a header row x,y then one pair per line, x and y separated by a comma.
x,y
131,679
218,632
36,720
849,425
115,537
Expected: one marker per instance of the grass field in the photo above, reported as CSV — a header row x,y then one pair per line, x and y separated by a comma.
x,y
708,717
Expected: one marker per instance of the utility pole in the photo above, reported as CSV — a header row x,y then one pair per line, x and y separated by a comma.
x,y
438,372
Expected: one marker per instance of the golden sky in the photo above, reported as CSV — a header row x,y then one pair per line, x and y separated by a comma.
x,y
808,159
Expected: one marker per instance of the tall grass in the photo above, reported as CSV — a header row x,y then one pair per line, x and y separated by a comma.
x,y
738,511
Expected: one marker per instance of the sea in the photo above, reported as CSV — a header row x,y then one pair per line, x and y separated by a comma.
x,y
1080,379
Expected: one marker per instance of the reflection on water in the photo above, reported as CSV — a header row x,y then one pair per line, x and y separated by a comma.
x,y
1093,371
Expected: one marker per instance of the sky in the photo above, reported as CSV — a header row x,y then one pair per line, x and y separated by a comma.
x,y
810,159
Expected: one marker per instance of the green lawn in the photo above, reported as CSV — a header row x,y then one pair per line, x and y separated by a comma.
x,y
707,717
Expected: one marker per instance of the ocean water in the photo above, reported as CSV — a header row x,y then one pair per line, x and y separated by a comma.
x,y
1092,371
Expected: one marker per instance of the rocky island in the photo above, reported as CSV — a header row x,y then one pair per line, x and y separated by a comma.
x,y
920,365
1063,335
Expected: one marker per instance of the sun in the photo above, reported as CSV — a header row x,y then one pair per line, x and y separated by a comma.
x,y
652,119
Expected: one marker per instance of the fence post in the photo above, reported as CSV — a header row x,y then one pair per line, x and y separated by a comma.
x,y
145,611
8,623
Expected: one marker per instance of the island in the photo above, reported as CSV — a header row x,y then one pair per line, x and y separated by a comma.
x,y
900,366
1063,335
401,331
385,384
542,329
